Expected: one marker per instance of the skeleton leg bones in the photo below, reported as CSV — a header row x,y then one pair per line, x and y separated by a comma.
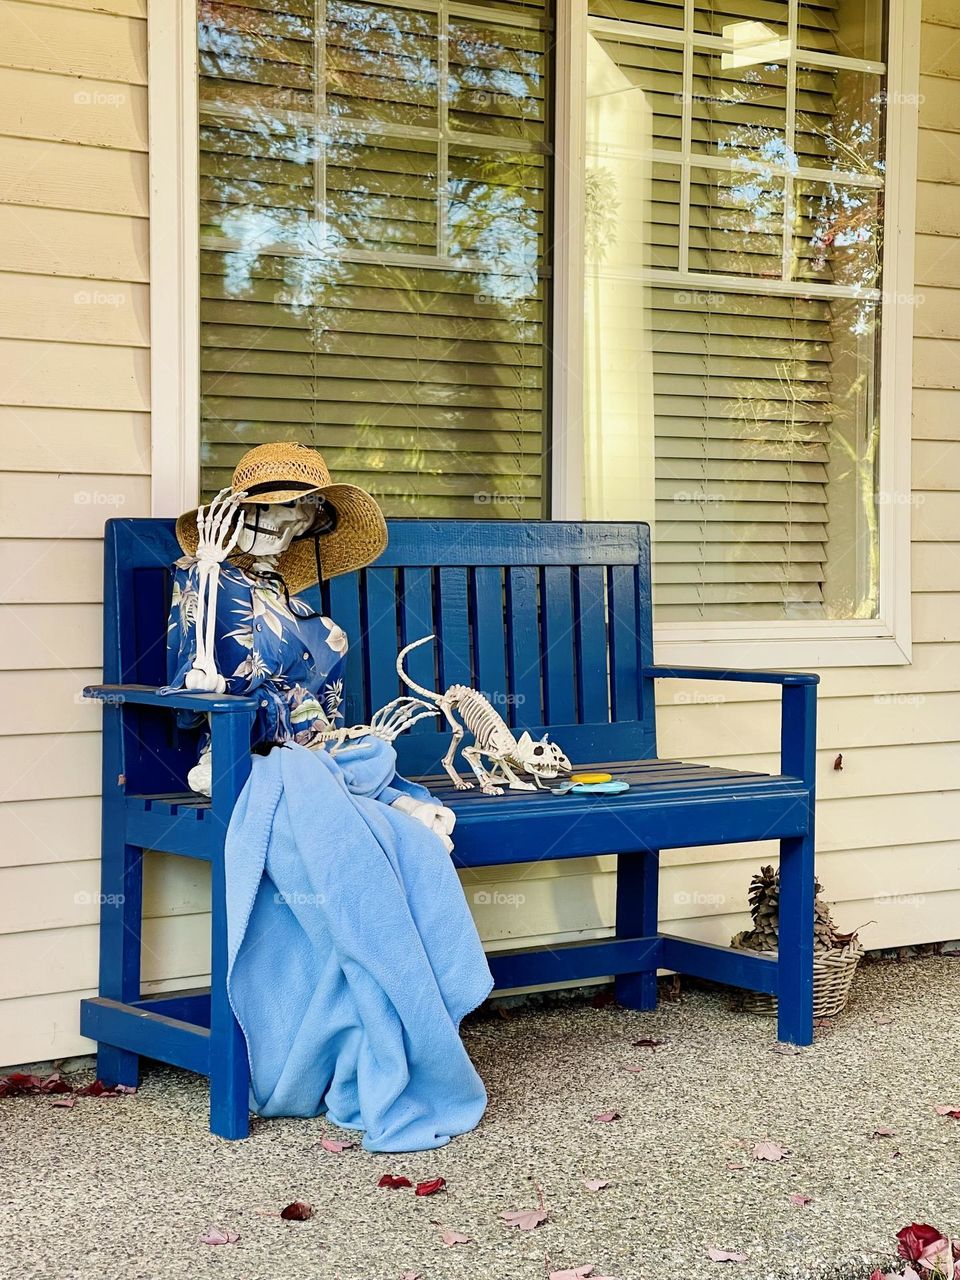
x,y
455,740
501,769
487,785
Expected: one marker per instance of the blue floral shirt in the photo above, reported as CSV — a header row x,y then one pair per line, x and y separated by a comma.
x,y
267,645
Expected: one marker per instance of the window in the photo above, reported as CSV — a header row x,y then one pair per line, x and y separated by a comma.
x,y
734,232
624,259
374,244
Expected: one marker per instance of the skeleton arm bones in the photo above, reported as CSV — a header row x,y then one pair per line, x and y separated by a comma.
x,y
218,532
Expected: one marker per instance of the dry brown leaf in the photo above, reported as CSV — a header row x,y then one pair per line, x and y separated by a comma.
x,y
217,1235
525,1219
450,1238
769,1151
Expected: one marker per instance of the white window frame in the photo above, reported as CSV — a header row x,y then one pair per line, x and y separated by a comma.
x,y
881,641
175,340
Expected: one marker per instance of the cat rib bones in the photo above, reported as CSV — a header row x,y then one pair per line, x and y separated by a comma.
x,y
492,738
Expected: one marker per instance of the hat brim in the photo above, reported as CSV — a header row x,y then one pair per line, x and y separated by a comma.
x,y
358,539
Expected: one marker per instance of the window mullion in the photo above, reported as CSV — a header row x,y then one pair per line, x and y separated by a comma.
x,y
321,135
790,157
443,147
686,135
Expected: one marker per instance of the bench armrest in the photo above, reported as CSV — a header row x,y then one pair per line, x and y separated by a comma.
x,y
146,695
798,717
720,673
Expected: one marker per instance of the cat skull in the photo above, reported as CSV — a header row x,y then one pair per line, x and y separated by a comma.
x,y
542,758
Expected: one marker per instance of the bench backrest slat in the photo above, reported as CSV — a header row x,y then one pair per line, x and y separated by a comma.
x,y
524,654
489,638
559,657
593,683
550,619
453,634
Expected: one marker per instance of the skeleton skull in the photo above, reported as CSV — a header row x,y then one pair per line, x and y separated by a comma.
x,y
543,759
269,528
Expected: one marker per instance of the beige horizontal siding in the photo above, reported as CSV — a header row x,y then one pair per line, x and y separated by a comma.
x,y
74,424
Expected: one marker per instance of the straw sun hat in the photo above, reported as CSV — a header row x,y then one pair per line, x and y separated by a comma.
x,y
284,472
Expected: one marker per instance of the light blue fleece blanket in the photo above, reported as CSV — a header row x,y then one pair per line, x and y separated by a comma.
x,y
353,956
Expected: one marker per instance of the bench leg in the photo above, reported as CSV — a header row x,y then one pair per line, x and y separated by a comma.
x,y
121,905
637,901
795,957
229,1067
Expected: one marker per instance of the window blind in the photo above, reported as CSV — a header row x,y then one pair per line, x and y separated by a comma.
x,y
762,398
374,216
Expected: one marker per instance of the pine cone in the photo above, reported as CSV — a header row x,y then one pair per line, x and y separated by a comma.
x,y
764,899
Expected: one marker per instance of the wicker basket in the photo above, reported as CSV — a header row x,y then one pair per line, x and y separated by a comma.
x,y
832,979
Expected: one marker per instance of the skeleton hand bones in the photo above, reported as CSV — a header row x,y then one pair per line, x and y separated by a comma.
x,y
218,533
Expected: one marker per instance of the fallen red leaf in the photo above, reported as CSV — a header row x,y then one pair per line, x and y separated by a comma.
x,y
217,1235
450,1238
55,1084
915,1238
430,1188
391,1180
800,1200
68,1101
335,1146
788,1050
725,1255
595,1184
100,1090
735,1164
952,1112
18,1083
299,1211
883,1133
606,1117
769,1151
525,1219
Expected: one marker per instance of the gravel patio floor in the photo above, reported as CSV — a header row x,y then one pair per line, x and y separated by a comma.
x,y
120,1189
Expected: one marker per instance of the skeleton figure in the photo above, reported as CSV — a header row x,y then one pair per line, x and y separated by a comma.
x,y
492,738
229,523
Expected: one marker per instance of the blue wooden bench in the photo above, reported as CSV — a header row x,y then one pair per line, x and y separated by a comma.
x,y
554,620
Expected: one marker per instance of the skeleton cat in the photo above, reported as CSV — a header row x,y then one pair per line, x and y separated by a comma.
x,y
492,738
